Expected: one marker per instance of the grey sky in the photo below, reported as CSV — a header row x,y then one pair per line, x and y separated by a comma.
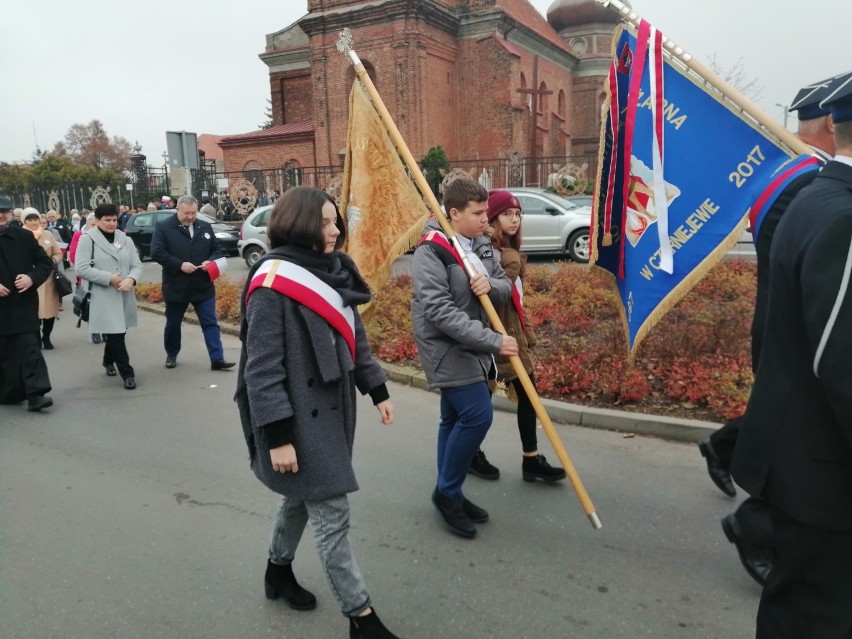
x,y
143,68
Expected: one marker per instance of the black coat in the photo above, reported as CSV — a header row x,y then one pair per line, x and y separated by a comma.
x,y
64,230
20,253
795,448
762,246
171,246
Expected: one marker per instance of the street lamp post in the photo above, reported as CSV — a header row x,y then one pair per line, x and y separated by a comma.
x,y
786,112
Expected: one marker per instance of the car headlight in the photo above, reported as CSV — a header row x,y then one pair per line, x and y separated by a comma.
x,y
222,235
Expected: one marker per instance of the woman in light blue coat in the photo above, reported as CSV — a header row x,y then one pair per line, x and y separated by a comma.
x,y
109,262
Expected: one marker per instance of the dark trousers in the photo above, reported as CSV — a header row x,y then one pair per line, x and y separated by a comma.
x,y
526,417
725,439
23,371
206,312
466,416
809,591
115,352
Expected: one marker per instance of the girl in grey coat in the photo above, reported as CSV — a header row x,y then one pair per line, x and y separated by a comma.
x,y
304,354
107,259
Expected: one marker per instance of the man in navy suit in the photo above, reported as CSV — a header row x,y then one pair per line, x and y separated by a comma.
x,y
184,246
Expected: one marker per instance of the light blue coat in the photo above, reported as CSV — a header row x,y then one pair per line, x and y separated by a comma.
x,y
110,312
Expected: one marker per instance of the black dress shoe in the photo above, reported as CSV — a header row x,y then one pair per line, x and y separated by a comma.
x,y
96,338
130,383
37,402
221,365
719,472
110,370
477,515
171,362
453,515
756,561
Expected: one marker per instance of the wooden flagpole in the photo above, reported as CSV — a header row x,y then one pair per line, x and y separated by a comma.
x,y
344,45
676,52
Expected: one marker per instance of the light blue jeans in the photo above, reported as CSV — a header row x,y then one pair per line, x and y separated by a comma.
x,y
330,520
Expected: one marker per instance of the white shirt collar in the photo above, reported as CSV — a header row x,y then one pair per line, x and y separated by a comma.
x,y
845,159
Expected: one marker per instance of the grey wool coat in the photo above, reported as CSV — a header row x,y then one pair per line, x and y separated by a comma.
x,y
294,365
110,311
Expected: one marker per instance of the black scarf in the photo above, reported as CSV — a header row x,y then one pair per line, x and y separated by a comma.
x,y
335,269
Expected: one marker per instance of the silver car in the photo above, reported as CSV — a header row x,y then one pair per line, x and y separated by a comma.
x,y
254,243
552,224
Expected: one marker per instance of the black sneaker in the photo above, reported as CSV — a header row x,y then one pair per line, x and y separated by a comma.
x,y
538,468
481,468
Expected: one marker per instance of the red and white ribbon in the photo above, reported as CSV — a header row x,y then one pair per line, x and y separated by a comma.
x,y
307,289
661,201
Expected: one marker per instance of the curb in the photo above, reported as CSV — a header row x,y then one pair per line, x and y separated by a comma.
x,y
669,428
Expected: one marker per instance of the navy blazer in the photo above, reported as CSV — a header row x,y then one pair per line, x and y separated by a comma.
x,y
171,246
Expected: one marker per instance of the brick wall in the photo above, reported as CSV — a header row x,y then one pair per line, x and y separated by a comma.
x,y
291,95
268,154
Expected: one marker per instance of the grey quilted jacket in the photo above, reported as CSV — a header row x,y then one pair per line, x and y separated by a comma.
x,y
453,335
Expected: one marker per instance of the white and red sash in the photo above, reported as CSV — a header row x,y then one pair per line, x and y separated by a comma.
x,y
518,301
436,237
307,289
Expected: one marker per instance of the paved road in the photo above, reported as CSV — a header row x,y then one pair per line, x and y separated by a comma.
x,y
133,514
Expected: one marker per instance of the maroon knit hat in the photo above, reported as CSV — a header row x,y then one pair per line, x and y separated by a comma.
x,y
499,201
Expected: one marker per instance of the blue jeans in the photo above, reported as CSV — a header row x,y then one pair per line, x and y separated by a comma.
x,y
330,521
466,416
206,312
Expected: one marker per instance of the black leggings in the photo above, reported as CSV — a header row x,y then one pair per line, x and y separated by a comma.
x,y
526,417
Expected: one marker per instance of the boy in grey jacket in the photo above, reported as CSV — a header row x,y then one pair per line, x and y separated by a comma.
x,y
455,342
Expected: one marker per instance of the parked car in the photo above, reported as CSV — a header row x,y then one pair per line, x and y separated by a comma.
x,y
140,228
253,243
553,224
580,200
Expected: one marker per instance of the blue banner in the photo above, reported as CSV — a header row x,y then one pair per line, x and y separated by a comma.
x,y
716,164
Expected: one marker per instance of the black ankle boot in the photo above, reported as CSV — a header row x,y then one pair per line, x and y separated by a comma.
x,y
46,344
280,581
46,330
538,468
369,627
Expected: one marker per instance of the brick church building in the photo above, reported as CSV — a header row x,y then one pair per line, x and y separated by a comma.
x,y
482,78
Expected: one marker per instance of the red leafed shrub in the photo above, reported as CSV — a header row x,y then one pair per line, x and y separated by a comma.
x,y
695,362
150,292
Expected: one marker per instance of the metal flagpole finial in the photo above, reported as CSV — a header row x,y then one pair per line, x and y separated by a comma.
x,y
344,45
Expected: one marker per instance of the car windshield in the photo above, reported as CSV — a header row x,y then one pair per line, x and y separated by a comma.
x,y
561,201
206,218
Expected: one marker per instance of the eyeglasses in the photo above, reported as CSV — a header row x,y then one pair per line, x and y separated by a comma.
x,y
510,215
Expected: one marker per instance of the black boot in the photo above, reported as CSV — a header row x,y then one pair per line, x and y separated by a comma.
x,y
482,468
538,468
279,580
369,627
46,330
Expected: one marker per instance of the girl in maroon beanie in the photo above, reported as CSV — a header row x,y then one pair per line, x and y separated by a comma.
x,y
504,216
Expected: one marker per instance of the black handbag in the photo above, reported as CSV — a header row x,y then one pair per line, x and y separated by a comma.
x,y
63,284
81,304
83,297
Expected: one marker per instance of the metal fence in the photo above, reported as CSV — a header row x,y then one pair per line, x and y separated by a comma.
x,y
235,194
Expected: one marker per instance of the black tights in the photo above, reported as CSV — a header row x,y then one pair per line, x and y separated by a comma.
x,y
526,417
